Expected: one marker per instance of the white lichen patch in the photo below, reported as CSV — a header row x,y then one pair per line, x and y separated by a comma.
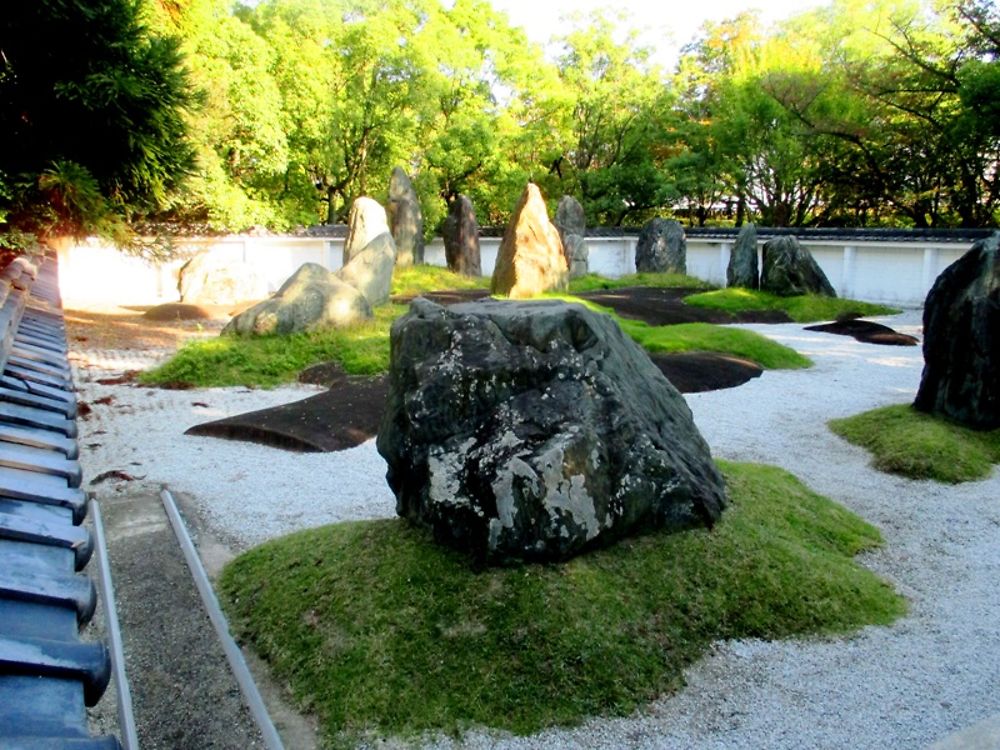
x,y
503,492
445,467
567,494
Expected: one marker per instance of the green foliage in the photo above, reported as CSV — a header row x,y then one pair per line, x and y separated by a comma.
x,y
806,308
379,631
91,107
905,441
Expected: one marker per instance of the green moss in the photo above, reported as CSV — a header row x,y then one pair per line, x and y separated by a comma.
x,y
806,308
379,631
595,283
410,281
905,441
362,349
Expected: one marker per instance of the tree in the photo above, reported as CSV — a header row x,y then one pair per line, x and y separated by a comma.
x,y
91,111
615,121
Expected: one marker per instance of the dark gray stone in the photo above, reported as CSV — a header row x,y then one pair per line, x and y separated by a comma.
x,y
662,248
406,220
961,378
572,225
789,270
537,430
742,270
461,238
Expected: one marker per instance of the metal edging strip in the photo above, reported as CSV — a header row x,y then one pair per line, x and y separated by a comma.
x,y
126,715
233,654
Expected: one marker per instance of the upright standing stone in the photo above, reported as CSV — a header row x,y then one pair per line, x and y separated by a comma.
x,y
370,270
572,225
461,238
661,248
961,378
366,221
406,220
790,269
530,260
742,270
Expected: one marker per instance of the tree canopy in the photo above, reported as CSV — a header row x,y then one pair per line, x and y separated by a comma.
x,y
91,114
860,112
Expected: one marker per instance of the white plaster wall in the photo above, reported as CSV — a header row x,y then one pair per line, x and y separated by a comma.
x,y
93,274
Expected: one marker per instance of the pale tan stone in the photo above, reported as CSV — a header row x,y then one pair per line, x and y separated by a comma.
x,y
531,258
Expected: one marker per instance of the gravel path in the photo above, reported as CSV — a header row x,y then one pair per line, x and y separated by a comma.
x,y
935,671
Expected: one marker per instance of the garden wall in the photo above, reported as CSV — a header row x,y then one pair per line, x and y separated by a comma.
x,y
893,271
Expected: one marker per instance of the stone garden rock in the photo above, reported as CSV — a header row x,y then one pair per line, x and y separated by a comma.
x,y
370,269
406,220
537,430
530,259
572,225
790,269
311,298
212,279
366,221
742,270
961,378
461,238
661,248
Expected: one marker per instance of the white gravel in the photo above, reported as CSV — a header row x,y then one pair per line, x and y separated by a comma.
x,y
933,672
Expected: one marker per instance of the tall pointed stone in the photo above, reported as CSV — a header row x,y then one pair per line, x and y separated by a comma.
x,y
662,247
461,238
531,259
366,221
406,220
742,270
572,225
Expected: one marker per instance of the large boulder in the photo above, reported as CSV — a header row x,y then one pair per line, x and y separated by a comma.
x,y
661,248
461,238
790,269
961,378
537,430
213,279
530,259
365,222
370,269
310,298
406,219
742,270
571,221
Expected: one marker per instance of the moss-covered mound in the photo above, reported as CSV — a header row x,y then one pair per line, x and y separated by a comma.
x,y
379,631
905,441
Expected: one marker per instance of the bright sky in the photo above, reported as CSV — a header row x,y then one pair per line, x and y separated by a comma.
x,y
664,25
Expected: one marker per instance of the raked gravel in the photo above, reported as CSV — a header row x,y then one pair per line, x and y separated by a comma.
x,y
934,671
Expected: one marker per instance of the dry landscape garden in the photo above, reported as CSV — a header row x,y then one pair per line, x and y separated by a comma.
x,y
513,502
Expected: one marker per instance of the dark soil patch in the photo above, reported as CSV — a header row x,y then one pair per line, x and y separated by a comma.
x,y
660,307
697,372
349,413
345,416
176,311
866,332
